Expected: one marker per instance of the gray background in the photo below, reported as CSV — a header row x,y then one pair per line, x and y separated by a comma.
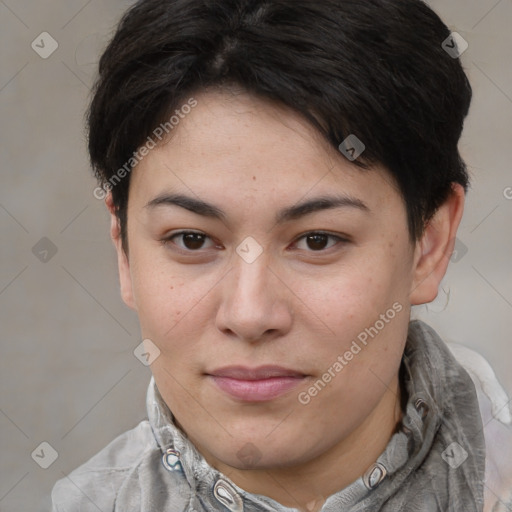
x,y
68,375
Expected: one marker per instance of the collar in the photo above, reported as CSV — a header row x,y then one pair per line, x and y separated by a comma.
x,y
436,458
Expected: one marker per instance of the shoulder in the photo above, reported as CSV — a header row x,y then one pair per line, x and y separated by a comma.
x,y
94,484
494,406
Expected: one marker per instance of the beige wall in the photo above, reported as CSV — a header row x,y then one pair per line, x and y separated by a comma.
x,y
67,372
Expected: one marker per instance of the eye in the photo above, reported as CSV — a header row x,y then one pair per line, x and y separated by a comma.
x,y
317,241
192,241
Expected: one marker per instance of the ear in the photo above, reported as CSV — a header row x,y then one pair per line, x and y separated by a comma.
x,y
434,249
123,264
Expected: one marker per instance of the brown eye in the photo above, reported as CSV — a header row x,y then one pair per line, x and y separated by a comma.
x,y
190,241
193,241
317,241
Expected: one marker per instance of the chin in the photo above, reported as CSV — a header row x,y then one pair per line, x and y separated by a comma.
x,y
260,453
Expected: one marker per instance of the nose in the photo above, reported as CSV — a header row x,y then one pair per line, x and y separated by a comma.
x,y
255,304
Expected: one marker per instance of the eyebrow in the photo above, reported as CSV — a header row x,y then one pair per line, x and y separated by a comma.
x,y
287,214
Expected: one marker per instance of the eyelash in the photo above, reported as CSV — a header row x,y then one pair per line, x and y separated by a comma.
x,y
165,241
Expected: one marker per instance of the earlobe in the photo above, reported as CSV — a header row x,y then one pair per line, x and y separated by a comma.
x,y
123,263
433,251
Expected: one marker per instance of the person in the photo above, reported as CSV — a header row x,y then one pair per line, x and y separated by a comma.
x,y
284,184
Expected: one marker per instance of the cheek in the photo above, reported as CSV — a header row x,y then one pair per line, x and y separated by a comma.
x,y
364,318
351,300
160,301
164,295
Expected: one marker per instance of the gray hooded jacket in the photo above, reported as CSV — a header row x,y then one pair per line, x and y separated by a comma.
x,y
436,462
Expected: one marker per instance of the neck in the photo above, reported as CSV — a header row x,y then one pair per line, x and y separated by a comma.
x,y
306,487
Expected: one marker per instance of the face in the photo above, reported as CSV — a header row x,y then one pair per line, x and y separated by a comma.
x,y
280,326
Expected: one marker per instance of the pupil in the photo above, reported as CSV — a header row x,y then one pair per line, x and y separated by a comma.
x,y
193,240
317,242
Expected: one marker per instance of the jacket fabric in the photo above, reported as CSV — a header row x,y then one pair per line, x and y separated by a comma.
x,y
451,453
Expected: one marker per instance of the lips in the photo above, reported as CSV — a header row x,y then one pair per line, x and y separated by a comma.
x,y
256,384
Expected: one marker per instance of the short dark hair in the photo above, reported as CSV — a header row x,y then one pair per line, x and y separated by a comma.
x,y
375,69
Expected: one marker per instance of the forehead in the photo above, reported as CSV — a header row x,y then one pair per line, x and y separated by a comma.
x,y
234,146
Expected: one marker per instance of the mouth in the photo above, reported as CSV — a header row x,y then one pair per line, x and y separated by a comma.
x,y
255,384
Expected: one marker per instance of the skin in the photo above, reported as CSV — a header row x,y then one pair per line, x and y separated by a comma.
x,y
299,305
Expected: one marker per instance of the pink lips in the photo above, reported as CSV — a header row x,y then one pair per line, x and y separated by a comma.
x,y
256,384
